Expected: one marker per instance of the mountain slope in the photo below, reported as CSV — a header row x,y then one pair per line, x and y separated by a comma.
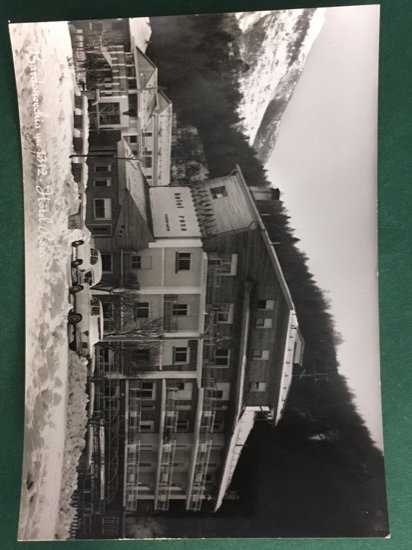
x,y
275,46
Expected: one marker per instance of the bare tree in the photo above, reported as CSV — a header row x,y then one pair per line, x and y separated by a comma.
x,y
135,330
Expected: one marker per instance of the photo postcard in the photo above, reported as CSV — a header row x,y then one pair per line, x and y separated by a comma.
x,y
202,352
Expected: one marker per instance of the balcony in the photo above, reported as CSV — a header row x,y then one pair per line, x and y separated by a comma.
x,y
202,448
197,494
132,471
163,491
167,450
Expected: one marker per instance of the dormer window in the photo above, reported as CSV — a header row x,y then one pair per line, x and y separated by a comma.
x,y
263,322
218,192
257,386
226,263
260,354
266,304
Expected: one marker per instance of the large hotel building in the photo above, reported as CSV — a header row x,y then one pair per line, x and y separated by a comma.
x,y
201,333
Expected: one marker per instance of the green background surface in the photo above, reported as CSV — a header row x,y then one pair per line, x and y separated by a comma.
x,y
395,264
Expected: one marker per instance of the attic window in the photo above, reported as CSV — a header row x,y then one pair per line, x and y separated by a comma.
x,y
260,355
218,192
263,323
257,386
266,304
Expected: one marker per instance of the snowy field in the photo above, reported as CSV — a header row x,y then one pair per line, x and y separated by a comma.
x,y
45,84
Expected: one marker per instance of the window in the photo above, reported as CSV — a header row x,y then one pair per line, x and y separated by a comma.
x,y
266,304
225,263
180,310
147,134
182,425
182,223
147,426
218,192
218,426
225,313
141,262
133,139
257,386
182,261
101,230
106,357
108,310
142,310
145,391
222,406
108,316
180,355
109,113
147,162
179,200
102,182
136,262
132,104
107,263
263,323
184,405
103,209
222,357
103,167
259,354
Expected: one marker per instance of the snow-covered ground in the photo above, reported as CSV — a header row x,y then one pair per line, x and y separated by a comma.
x,y
75,441
45,85
272,74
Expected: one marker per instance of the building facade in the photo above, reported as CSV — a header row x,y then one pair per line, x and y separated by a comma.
x,y
205,342
125,100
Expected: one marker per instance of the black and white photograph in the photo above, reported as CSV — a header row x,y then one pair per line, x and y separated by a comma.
x,y
201,286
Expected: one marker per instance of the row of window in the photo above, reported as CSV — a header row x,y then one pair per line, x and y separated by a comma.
x,y
131,476
224,315
181,356
179,200
148,426
183,261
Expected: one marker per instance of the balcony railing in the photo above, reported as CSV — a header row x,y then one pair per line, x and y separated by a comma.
x,y
197,494
170,321
132,476
166,458
167,452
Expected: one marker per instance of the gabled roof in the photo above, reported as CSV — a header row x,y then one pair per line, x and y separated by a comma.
x,y
145,69
135,213
163,100
266,239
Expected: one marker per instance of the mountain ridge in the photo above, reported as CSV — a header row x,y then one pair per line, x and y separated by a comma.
x,y
275,46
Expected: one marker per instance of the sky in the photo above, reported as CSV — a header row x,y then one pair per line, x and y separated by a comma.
x,y
325,164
